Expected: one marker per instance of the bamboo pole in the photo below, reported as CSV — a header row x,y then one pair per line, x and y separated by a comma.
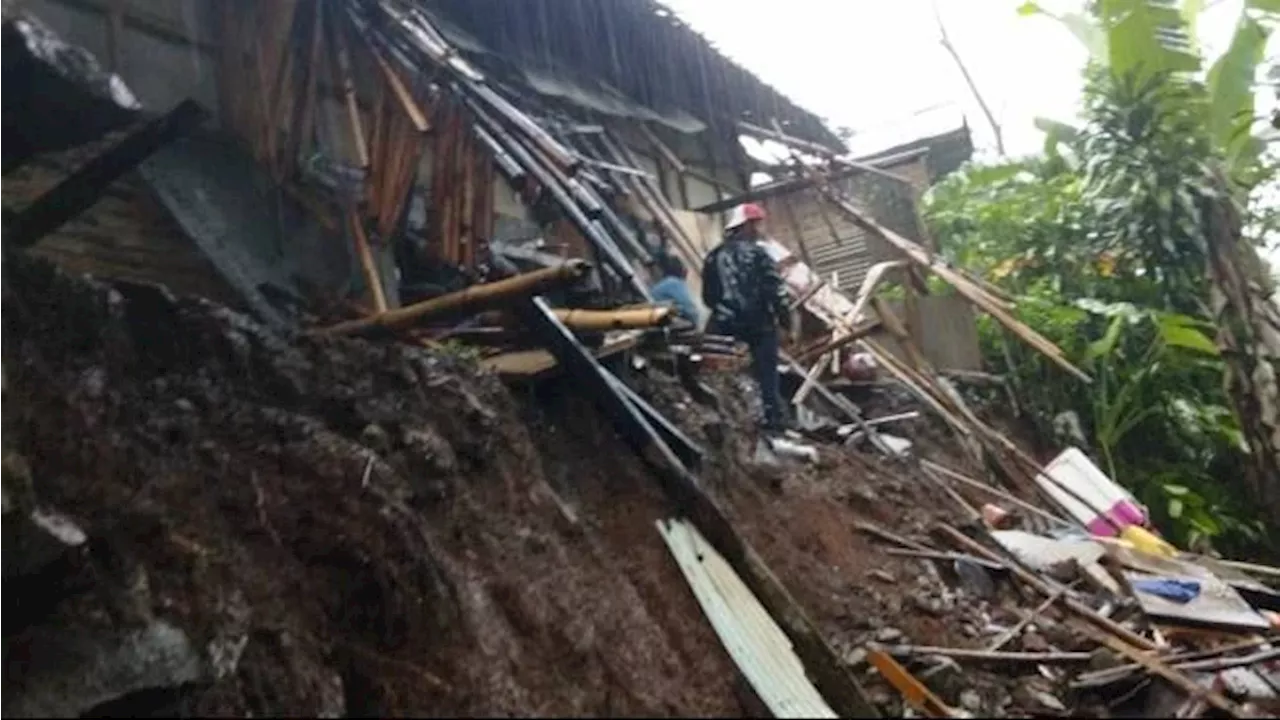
x,y
403,94
1115,630
857,333
345,81
371,276
471,299
991,655
973,293
630,319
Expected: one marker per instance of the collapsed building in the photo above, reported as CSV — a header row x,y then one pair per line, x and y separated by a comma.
x,y
384,186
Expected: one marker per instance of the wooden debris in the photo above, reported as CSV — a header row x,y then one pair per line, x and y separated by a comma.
x,y
470,299
969,290
992,655
1129,638
1162,669
916,693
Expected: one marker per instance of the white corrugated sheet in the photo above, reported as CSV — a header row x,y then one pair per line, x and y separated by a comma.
x,y
755,642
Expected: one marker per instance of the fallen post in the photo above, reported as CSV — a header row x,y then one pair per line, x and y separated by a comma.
x,y
689,452
622,319
837,685
472,299
81,189
1039,658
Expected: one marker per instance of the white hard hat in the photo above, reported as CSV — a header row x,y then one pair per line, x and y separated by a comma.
x,y
742,213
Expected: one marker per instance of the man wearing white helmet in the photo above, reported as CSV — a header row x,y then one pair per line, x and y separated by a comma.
x,y
748,300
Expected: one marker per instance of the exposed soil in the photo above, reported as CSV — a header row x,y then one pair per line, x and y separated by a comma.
x,y
343,527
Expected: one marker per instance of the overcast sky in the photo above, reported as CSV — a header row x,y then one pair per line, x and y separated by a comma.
x,y
877,67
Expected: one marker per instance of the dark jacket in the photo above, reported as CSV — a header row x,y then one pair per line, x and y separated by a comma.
x,y
742,288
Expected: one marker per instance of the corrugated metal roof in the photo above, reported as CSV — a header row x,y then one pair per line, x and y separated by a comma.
x,y
755,642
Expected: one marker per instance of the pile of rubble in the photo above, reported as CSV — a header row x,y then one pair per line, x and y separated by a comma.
x,y
344,511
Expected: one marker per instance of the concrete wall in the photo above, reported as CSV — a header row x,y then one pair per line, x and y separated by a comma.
x,y
164,50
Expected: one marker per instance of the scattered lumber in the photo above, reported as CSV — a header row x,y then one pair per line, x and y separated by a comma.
x,y
471,299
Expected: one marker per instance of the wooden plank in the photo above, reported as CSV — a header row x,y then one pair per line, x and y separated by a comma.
x,y
80,190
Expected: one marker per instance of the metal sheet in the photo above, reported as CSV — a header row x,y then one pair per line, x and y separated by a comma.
x,y
755,642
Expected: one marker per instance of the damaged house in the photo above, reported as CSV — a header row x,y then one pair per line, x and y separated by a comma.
x,y
343,509
341,161
277,519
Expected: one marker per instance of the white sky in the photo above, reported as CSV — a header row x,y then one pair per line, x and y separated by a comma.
x,y
874,66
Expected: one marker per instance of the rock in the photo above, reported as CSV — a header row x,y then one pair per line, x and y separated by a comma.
x,y
866,495
184,405
376,438
1104,659
855,657
883,576
970,700
1030,697
974,579
1035,642
888,635
70,671
428,451
930,605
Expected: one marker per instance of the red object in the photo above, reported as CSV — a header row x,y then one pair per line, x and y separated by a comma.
x,y
753,211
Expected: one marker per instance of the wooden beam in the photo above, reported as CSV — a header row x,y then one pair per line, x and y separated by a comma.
x,y
82,188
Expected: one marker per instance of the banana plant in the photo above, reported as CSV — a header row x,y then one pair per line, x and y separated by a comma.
x,y
1136,39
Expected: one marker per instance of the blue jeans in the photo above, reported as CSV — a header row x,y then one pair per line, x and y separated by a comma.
x,y
763,343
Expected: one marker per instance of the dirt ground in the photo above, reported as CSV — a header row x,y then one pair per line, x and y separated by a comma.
x,y
343,527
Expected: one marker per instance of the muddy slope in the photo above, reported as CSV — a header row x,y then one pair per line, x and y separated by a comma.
x,y
316,527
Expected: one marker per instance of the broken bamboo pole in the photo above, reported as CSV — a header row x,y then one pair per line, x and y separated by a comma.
x,y
371,276
1112,629
1039,658
472,299
412,109
969,290
629,319
549,176
994,491
345,81
857,333
1158,667
1027,619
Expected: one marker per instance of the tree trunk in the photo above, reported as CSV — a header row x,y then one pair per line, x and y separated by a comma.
x,y
1248,323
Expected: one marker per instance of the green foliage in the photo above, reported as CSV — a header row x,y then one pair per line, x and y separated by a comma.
x,y
1103,241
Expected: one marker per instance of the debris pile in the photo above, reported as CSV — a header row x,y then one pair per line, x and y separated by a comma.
x,y
340,509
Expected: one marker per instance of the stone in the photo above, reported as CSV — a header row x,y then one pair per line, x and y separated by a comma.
x,y
855,657
970,700
888,634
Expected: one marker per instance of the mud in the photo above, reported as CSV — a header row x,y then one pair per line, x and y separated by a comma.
x,y
343,527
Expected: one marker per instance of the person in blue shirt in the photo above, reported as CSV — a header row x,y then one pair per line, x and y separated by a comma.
x,y
673,289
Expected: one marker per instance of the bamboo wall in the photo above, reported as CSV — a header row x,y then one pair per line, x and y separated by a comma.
x,y
804,221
